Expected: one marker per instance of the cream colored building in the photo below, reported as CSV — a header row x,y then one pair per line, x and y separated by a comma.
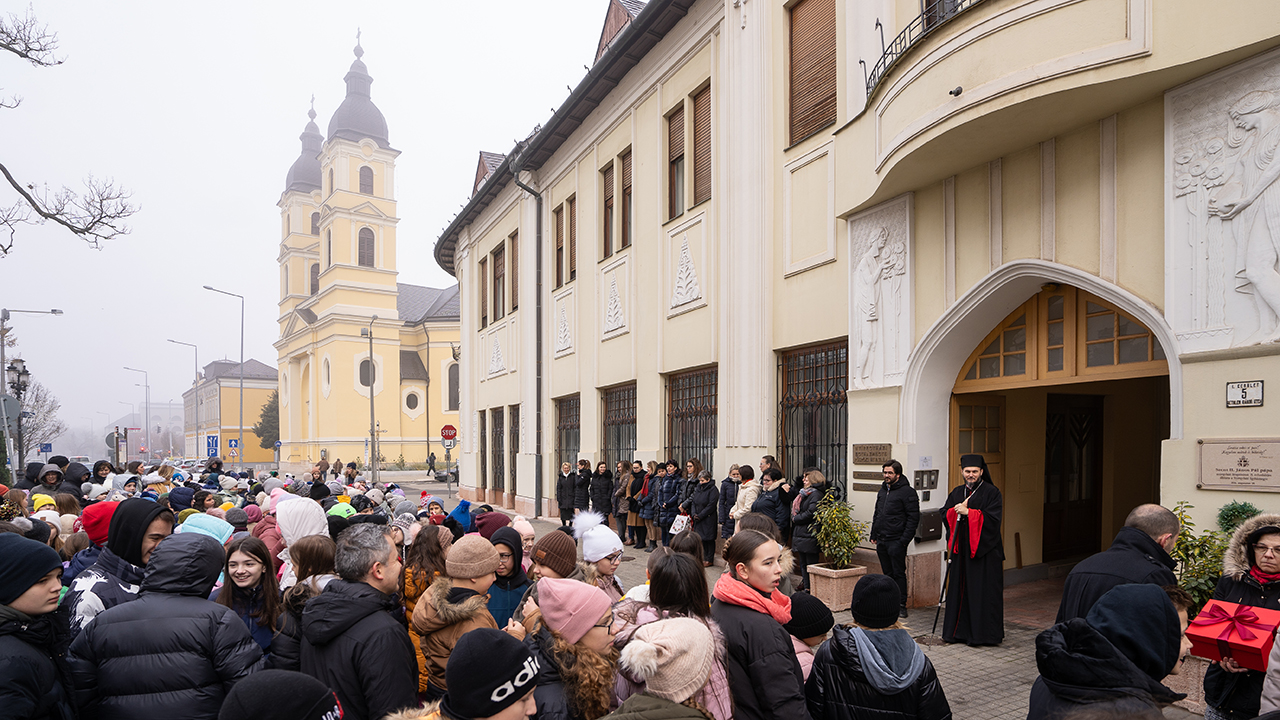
x,y
348,329
212,413
1045,230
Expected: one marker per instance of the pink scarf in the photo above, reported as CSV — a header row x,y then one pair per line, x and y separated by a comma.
x,y
736,592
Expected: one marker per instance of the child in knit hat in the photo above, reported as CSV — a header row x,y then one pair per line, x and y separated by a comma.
x,y
522,525
571,634
601,551
492,677
674,657
31,683
555,555
455,605
811,620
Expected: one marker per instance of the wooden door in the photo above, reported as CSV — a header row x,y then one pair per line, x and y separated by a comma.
x,y
1072,476
977,426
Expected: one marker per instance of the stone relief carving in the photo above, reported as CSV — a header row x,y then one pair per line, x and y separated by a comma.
x,y
686,288
613,317
564,340
496,364
1222,232
880,310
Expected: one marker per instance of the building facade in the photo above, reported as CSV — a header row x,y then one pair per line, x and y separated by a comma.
x,y
212,413
837,231
359,352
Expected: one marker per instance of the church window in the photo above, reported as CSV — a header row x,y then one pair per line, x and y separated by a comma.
x,y
330,180
366,180
411,401
315,223
454,387
286,280
328,248
366,247
368,373
315,278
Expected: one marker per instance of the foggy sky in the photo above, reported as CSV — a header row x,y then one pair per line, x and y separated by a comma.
x,y
197,108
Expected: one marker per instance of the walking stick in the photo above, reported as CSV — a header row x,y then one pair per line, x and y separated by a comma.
x,y
945,577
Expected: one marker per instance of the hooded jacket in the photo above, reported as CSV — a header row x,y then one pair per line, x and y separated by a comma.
x,y
441,622
1134,557
505,593
268,531
602,492
354,641
30,476
1241,692
582,489
880,674
33,674
171,653
1112,660
728,498
64,483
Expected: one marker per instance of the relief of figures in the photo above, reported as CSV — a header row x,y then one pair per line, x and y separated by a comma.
x,y
880,317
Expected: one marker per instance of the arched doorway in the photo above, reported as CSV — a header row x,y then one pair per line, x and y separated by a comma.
x,y
929,418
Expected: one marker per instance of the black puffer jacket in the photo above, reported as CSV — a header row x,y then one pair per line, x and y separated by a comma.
x,y
582,490
356,641
897,513
565,490
33,674
773,502
550,695
109,582
703,506
171,653
803,526
906,686
602,493
1132,558
760,661
30,476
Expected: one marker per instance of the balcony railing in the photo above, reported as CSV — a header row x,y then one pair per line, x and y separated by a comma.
x,y
936,13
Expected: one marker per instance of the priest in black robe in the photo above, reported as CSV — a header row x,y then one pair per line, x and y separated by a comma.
x,y
975,593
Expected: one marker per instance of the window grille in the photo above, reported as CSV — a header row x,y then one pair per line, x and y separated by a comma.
x,y
692,416
813,412
619,423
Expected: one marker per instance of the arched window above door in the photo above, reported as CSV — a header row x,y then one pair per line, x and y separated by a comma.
x,y
1062,335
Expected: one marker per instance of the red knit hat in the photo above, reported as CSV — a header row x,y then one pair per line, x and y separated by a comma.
x,y
490,522
96,519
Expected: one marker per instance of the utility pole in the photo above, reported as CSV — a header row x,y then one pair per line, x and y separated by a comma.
x,y
373,423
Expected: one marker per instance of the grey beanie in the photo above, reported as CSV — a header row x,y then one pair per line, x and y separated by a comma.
x,y
237,517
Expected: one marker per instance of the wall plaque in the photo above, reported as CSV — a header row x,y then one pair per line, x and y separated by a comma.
x,y
1244,394
1251,464
872,453
864,475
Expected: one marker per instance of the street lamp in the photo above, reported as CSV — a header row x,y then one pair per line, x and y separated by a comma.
x,y
373,426
19,380
146,421
195,400
239,442
4,332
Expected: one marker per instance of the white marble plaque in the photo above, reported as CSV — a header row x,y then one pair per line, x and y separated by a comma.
x,y
1240,464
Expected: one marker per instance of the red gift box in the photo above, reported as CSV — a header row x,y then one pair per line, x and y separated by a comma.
x,y
1240,632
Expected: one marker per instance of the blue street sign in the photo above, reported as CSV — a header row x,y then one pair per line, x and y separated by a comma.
x,y
46,447
213,452
233,442
277,444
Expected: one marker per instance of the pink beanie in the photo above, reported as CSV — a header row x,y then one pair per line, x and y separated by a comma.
x,y
254,512
522,525
275,498
571,607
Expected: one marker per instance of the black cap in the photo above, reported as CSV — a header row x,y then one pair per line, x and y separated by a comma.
x,y
280,695
488,672
810,617
875,601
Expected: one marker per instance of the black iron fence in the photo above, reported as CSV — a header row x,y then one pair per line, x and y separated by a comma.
x,y
619,423
568,430
936,12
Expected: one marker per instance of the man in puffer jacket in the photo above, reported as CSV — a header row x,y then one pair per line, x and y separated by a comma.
x,y
1111,662
77,474
51,482
171,653
137,527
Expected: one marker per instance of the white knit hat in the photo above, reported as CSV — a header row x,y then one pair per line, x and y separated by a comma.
x,y
598,541
672,656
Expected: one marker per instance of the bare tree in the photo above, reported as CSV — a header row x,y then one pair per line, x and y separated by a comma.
x,y
99,213
40,423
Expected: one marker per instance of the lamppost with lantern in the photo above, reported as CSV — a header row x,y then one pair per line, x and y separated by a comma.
x,y
4,413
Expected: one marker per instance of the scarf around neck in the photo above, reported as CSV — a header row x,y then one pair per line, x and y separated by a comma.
x,y
736,592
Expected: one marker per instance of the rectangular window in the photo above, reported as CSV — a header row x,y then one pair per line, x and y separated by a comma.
x,y
813,67
499,455
483,451
571,209
692,415
606,231
499,284
626,200
484,293
559,223
513,446
619,423
514,242
568,430
813,414
702,146
675,163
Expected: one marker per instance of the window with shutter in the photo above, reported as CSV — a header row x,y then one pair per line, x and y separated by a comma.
x,y
331,180
606,232
675,163
813,67
484,293
702,145
364,256
286,280
559,213
315,223
515,270
315,278
366,180
328,248
571,206
499,285
626,200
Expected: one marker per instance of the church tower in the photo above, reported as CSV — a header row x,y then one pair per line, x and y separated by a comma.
x,y
299,205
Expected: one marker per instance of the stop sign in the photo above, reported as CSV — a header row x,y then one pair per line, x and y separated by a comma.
x,y
448,432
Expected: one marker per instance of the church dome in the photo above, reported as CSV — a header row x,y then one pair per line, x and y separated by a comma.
x,y
304,175
357,117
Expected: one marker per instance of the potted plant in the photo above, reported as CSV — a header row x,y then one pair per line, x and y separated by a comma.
x,y
838,536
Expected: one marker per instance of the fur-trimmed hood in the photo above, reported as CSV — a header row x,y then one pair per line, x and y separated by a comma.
x,y
440,613
787,561
1235,562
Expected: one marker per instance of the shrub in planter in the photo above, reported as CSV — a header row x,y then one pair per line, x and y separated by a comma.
x,y
1199,557
838,536
1233,513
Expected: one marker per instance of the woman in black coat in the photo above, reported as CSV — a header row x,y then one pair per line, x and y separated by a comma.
x,y
772,500
582,486
804,541
565,493
703,507
34,682
602,490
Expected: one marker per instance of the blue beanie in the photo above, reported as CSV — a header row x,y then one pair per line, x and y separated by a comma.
x,y
214,527
22,563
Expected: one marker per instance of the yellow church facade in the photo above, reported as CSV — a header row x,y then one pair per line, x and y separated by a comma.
x,y
349,332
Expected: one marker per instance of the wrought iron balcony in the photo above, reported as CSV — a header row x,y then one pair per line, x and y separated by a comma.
x,y
936,14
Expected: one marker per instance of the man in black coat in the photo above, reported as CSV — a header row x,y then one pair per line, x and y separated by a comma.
x,y
354,635
172,653
33,639
1139,554
893,526
1112,661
